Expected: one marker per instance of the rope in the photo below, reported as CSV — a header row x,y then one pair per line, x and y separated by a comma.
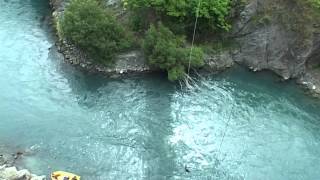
x,y
225,132
226,128
194,34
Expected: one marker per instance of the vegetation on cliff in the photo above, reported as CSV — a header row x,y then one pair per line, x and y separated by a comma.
x,y
95,30
315,3
167,51
161,30
212,14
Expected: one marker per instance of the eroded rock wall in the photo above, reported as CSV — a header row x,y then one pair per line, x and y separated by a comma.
x,y
278,35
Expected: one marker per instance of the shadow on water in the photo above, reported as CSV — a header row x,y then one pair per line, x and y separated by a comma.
x,y
139,103
158,154
153,120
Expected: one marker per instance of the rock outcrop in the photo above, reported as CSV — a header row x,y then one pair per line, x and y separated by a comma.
x,y
282,36
11,173
129,62
8,171
218,61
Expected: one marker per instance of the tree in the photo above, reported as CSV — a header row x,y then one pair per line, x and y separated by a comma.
x,y
167,51
93,29
213,12
315,3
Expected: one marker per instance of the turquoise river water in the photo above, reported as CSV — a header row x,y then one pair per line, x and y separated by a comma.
x,y
144,127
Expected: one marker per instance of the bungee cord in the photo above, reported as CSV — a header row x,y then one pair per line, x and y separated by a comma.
x,y
188,79
191,83
194,35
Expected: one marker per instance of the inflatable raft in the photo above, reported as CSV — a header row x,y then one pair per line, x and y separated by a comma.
x,y
61,175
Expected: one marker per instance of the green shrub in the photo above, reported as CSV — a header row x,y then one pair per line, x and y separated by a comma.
x,y
92,28
212,13
315,3
166,51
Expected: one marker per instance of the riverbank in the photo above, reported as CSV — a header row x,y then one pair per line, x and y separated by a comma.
x,y
255,48
8,169
12,173
134,61
130,62
311,82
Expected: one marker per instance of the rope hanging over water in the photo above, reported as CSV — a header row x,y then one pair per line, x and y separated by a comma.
x,y
226,127
194,34
188,78
192,43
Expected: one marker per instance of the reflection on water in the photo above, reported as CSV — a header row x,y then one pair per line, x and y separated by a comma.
x,y
144,127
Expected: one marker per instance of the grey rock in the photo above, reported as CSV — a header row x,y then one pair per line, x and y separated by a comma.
x,y
22,175
8,173
218,61
268,43
271,45
11,173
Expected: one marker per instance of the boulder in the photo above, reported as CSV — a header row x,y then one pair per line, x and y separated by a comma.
x,y
11,173
218,61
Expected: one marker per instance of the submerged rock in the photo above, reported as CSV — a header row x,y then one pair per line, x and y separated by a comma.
x,y
6,158
311,81
9,160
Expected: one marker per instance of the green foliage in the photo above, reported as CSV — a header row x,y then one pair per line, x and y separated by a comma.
x,y
315,3
92,28
138,22
176,72
212,13
166,51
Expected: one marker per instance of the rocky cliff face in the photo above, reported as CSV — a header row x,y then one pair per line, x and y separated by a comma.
x,y
282,36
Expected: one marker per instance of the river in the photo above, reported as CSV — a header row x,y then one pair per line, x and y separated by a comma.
x,y
235,125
